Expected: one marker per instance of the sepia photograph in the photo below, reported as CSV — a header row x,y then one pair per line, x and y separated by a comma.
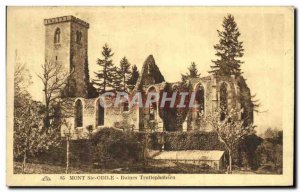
x,y
150,96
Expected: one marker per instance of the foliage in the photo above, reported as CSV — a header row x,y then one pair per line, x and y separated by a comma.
x,y
124,72
192,72
229,49
230,130
270,151
173,117
246,154
192,140
245,99
91,90
29,137
22,80
105,76
112,145
134,75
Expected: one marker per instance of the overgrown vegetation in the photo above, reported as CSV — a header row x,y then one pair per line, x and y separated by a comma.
x,y
114,147
31,134
270,151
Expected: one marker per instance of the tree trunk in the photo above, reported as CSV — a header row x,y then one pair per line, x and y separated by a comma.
x,y
67,166
124,83
47,115
104,78
230,162
47,120
24,162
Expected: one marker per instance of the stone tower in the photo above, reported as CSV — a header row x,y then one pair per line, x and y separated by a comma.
x,y
66,43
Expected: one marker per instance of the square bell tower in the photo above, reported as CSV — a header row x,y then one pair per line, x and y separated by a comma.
x,y
66,42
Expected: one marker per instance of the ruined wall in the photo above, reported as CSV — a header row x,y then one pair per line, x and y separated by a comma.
x,y
150,77
113,117
245,100
88,118
118,118
212,85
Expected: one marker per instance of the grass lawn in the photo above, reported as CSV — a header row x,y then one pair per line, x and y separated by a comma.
x,y
54,169
151,167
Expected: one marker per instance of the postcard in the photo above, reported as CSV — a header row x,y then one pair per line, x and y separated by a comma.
x,y
150,96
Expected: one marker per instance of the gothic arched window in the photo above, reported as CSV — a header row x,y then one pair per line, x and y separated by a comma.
x,y
223,100
200,97
78,113
99,113
153,108
57,35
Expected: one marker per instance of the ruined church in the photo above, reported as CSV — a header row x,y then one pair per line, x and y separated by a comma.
x,y
66,42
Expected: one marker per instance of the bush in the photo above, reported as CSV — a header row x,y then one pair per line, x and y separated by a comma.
x,y
114,146
246,152
193,141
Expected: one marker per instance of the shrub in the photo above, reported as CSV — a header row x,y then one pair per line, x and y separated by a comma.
x,y
193,141
112,145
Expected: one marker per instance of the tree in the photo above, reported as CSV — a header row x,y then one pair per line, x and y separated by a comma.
x,y
270,153
54,78
29,138
124,72
92,92
115,147
22,80
104,77
230,130
173,116
192,72
117,79
229,49
134,75
270,150
270,133
248,146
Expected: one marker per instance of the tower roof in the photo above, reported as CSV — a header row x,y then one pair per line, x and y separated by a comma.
x,y
68,18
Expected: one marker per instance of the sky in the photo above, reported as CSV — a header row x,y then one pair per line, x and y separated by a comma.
x,y
174,36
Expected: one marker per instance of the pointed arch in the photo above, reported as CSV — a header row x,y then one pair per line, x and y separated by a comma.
x,y
57,35
100,112
153,108
200,97
78,113
223,100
